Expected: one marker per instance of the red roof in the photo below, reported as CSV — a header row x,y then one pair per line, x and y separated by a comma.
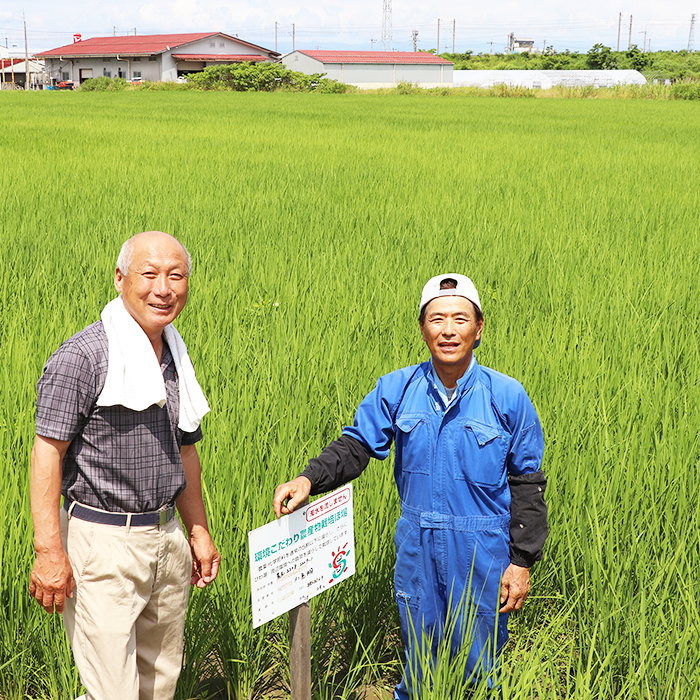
x,y
229,57
9,62
376,57
144,45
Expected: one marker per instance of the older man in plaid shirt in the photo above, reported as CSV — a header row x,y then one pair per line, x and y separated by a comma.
x,y
114,560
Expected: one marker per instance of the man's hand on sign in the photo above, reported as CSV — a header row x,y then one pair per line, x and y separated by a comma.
x,y
515,585
288,496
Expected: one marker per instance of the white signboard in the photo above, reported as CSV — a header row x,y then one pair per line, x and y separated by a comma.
x,y
302,554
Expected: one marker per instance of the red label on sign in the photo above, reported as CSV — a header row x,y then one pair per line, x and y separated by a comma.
x,y
327,504
77,38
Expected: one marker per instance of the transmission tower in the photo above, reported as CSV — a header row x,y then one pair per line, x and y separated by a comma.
x,y
691,36
415,40
387,38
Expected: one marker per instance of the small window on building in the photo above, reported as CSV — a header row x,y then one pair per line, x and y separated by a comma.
x,y
106,60
65,75
107,73
151,58
222,44
138,58
137,74
212,43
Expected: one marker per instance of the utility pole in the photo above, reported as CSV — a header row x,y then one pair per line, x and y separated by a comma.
x,y
644,50
691,35
454,29
492,43
27,72
437,50
629,44
415,40
619,26
275,37
294,38
114,31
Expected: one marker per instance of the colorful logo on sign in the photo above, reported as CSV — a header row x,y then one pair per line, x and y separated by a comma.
x,y
339,563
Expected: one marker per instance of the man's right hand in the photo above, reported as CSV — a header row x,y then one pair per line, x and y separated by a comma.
x,y
288,496
52,576
51,581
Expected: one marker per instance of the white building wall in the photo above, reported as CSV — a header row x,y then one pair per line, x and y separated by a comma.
x,y
302,63
218,44
372,75
150,70
168,66
363,73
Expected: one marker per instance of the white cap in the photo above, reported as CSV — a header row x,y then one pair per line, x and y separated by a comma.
x,y
465,288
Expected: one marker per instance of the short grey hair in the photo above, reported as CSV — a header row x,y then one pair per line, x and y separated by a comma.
x,y
127,253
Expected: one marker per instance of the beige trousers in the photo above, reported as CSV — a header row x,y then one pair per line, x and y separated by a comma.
x,y
126,619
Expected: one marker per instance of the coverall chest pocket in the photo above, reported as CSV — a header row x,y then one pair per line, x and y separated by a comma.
x,y
481,451
413,443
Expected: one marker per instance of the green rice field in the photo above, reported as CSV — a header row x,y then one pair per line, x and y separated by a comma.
x,y
313,222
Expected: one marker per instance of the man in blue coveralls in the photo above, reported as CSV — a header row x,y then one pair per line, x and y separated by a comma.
x,y
467,462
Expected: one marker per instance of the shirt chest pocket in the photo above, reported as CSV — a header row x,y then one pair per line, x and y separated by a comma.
x,y
414,443
480,453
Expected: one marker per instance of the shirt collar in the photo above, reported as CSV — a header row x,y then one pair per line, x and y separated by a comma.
x,y
166,358
463,383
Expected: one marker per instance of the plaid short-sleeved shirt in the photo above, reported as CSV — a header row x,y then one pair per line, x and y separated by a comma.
x,y
119,460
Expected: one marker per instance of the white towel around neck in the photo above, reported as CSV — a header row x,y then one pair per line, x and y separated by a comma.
x,y
134,379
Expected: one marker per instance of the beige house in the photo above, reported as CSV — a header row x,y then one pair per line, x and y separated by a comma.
x,y
159,57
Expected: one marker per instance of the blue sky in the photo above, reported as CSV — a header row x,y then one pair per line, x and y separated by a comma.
x,y
480,27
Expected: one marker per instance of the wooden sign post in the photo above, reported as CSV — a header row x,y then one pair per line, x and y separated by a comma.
x,y
300,652
292,560
300,648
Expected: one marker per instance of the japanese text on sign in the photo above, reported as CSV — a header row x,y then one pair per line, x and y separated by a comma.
x,y
301,555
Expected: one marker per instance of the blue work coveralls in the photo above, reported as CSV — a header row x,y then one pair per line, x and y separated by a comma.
x,y
451,469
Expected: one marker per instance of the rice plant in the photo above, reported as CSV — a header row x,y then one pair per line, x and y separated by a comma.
x,y
313,222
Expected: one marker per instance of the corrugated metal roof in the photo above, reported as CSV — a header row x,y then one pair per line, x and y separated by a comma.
x,y
402,57
230,57
145,45
130,45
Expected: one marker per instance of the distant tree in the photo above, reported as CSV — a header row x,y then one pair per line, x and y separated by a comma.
x,y
639,60
600,58
551,60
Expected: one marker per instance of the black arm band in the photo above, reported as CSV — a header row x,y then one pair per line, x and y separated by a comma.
x,y
343,460
528,518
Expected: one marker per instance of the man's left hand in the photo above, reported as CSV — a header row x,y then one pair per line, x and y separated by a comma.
x,y
515,585
205,558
